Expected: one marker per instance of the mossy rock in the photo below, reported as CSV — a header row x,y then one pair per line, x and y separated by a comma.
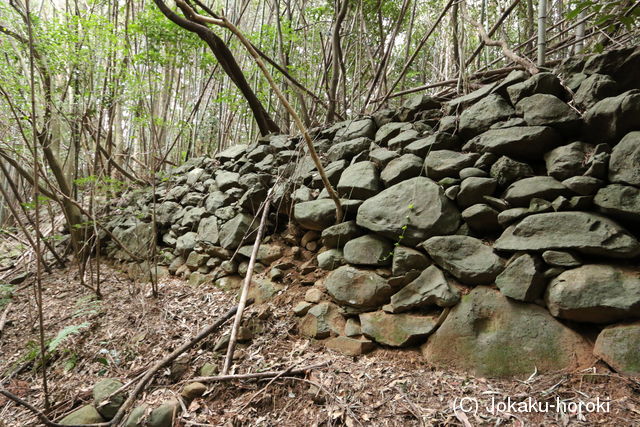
x,y
619,347
85,415
490,335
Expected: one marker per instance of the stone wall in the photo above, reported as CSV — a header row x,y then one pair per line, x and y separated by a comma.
x,y
498,231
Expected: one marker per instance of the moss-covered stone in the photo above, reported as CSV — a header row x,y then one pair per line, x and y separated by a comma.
x,y
491,335
619,347
85,415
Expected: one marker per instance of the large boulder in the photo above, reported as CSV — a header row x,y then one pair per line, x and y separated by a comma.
x,y
595,293
320,214
479,117
397,330
624,166
612,118
429,289
619,201
619,347
466,258
519,142
548,110
359,181
356,288
415,209
521,192
584,232
446,163
487,334
370,249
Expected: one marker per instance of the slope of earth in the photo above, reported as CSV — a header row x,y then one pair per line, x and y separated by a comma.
x,y
129,330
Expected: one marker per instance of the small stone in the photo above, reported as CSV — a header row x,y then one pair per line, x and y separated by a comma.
x,y
617,346
561,259
523,278
352,327
85,415
368,250
302,308
429,289
313,295
408,259
331,259
209,370
101,391
397,330
193,391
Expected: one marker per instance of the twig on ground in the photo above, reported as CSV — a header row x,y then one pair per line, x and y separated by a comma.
x,y
258,375
3,318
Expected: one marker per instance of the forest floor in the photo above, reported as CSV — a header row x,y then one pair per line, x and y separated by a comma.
x,y
129,330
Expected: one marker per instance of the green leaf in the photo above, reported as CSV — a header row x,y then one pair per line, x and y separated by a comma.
x,y
64,333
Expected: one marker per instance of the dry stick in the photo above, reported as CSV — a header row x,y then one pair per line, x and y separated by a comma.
x,y
493,29
528,65
223,22
245,286
3,318
257,375
170,358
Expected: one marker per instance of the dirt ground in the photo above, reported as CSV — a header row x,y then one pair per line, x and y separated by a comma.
x,y
128,330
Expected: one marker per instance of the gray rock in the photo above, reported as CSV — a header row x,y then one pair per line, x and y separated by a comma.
x,y
521,192
561,259
479,117
368,250
226,180
568,160
322,321
506,170
473,190
624,166
472,172
267,253
488,334
331,259
186,242
166,213
434,142
466,258
429,289
482,219
407,259
457,105
584,232
235,230
523,278
359,181
321,214
417,203
617,346
446,163
348,149
400,141
548,110
593,89
216,200
356,129
338,235
583,185
512,215
164,414
612,118
389,131
540,83
595,293
619,201
404,167
397,330
382,156
416,104
519,142
232,153
85,415
356,288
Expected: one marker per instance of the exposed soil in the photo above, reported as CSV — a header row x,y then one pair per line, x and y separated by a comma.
x,y
129,330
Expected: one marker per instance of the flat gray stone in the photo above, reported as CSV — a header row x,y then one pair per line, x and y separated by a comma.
x,y
429,289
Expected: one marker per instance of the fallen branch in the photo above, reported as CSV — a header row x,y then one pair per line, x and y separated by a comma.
x,y
3,318
245,286
528,65
258,375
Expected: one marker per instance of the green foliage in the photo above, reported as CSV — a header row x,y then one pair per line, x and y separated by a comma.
x,y
64,333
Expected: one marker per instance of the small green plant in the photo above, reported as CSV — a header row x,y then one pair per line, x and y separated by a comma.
x,y
64,333
411,207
